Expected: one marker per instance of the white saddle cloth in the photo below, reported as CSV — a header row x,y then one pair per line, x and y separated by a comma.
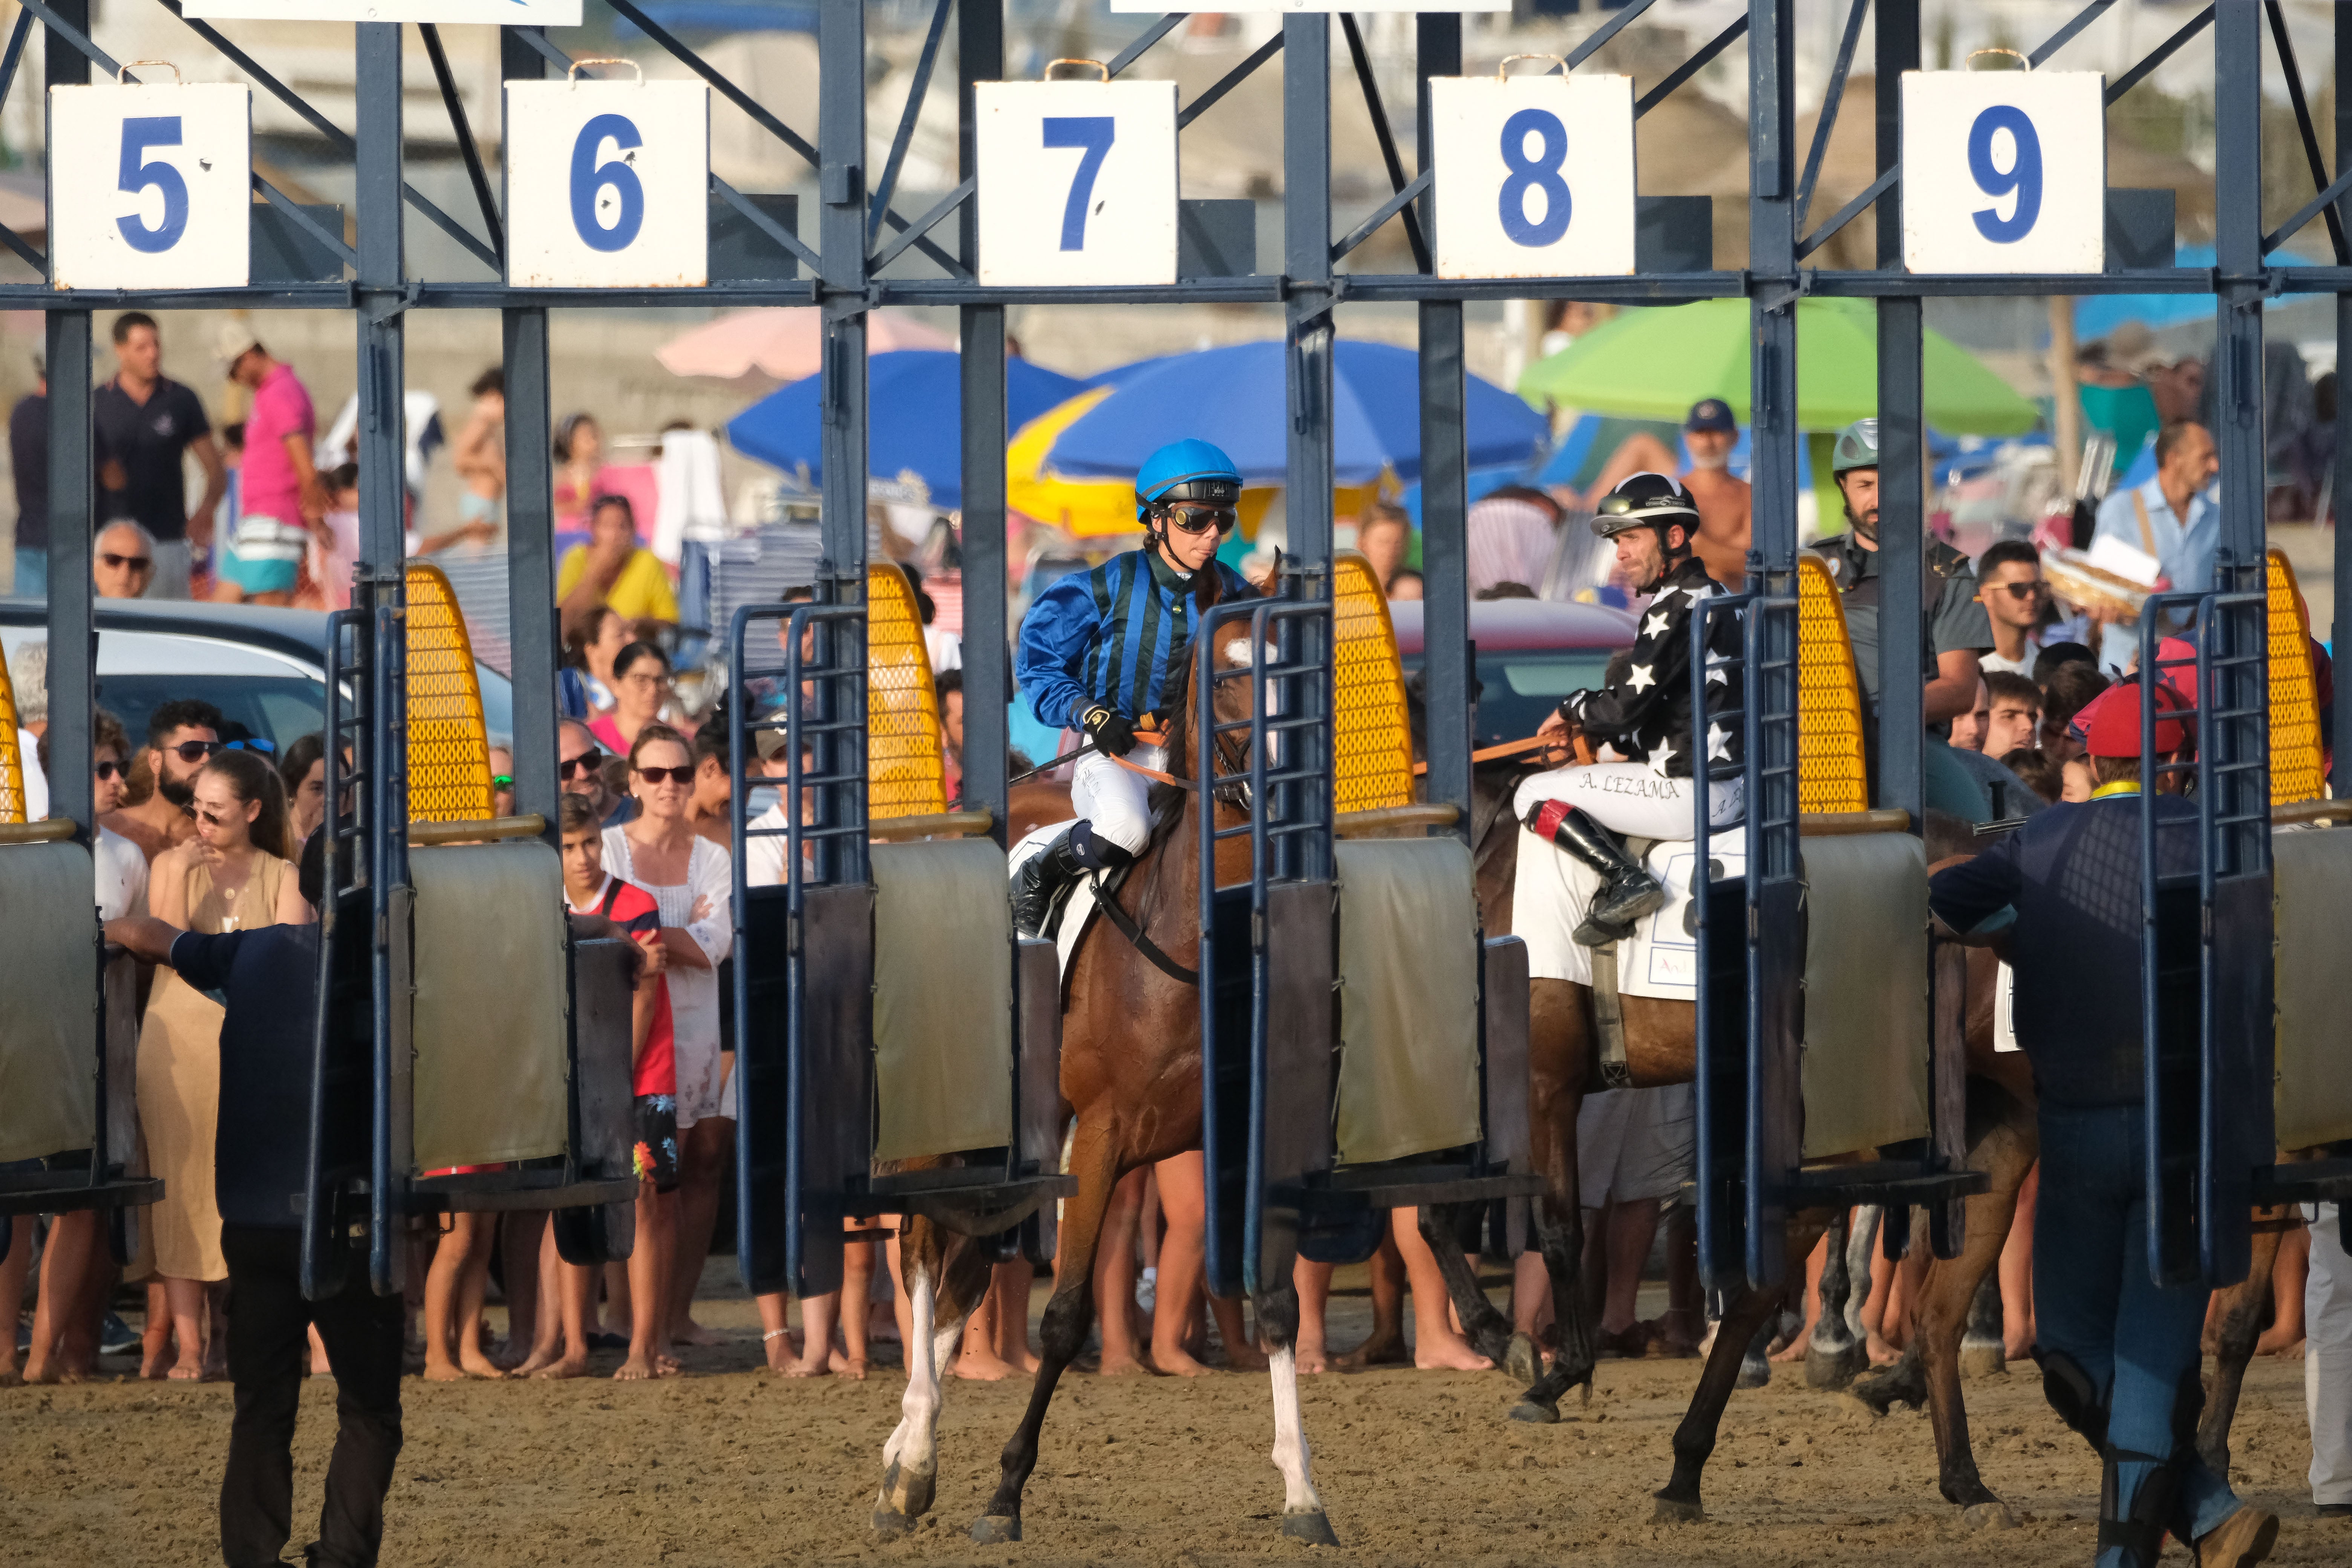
x,y
1553,890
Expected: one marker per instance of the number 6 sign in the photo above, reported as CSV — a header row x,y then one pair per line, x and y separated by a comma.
x,y
2004,170
607,183
150,187
1077,181
1535,175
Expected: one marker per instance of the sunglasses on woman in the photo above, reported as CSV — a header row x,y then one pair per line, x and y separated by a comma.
x,y
1200,519
674,775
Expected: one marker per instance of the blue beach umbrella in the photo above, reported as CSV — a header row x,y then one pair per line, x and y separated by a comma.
x,y
2096,315
1237,398
916,399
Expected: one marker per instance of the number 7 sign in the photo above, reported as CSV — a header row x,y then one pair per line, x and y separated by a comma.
x,y
1077,181
150,186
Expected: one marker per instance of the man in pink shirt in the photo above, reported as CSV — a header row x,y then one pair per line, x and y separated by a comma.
x,y
280,503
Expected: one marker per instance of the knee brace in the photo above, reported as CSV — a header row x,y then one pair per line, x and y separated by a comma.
x,y
2071,1393
2140,1532
1094,852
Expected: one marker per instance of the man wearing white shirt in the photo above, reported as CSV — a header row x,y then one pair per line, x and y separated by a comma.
x,y
2174,518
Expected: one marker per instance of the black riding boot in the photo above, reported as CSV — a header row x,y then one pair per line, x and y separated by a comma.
x,y
1041,882
1627,892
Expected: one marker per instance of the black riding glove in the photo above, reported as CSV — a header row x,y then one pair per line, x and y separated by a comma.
x,y
1112,733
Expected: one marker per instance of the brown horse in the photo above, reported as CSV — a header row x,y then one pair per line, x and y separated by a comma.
x,y
1662,1049
1131,1074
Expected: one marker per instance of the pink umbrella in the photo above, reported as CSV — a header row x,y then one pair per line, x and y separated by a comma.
x,y
783,342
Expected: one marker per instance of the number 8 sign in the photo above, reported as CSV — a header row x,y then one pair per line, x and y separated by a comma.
x,y
1535,175
150,187
2004,170
1077,181
607,184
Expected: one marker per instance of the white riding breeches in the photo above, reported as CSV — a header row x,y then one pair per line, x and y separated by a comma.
x,y
1631,798
1117,800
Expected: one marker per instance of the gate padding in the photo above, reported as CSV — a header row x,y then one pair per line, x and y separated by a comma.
x,y
942,998
493,1004
2311,890
1408,997
49,1028
1866,1062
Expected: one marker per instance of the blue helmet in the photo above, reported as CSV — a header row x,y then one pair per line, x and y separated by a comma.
x,y
1190,470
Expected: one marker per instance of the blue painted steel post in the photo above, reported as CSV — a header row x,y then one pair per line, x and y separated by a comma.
x,y
987,672
841,139
2340,492
1775,1117
1902,450
1307,248
2238,335
382,550
1446,655
530,520
73,648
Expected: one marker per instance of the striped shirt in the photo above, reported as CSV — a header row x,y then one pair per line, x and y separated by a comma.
x,y
1111,635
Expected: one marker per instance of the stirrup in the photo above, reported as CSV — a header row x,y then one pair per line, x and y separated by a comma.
x,y
1599,933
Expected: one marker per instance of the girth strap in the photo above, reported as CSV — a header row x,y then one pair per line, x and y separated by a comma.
x,y
1609,1017
1107,899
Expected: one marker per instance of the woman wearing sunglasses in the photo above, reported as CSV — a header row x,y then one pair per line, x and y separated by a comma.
x,y
692,882
1099,654
238,873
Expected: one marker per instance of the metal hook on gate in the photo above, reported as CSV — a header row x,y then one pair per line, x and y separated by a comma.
x,y
2014,54
1047,75
1503,71
572,75
123,70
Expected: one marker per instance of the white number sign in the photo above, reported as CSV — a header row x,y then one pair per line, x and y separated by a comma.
x,y
2004,170
1077,181
1535,175
151,187
608,184
511,13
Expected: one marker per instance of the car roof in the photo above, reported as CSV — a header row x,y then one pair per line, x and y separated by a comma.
x,y
293,634
1512,625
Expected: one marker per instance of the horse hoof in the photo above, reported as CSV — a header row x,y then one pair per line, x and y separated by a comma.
x,y
1310,1525
996,1529
1834,1370
1674,1510
1988,1359
906,1494
1521,1360
1528,1410
1754,1372
1994,1515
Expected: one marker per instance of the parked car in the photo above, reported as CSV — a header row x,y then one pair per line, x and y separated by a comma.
x,y
263,667
1530,653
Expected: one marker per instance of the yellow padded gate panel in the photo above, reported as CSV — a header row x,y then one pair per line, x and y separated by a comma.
x,y
1831,773
1372,759
448,742
11,762
2298,765
903,775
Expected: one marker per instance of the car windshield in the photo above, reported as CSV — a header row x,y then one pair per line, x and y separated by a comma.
x,y
1517,692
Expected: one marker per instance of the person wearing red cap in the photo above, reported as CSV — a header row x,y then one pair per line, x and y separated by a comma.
x,y
2059,901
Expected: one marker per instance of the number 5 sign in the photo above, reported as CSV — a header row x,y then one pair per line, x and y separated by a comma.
x,y
151,187
1535,175
2004,170
1077,181
608,183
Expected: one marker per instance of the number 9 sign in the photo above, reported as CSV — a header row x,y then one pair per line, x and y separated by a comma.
x,y
2004,170
607,184
1535,175
1077,181
150,187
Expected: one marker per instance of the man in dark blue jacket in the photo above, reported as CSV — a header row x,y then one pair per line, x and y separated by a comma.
x,y
2120,1356
1100,653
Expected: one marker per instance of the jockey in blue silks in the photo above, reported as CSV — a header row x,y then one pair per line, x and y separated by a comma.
x,y
1101,653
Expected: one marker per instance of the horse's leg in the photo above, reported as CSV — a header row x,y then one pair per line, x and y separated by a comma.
x,y
2245,1311
1063,1333
1557,1055
945,1276
1487,1329
1278,1327
1743,1319
1834,1357
1984,1349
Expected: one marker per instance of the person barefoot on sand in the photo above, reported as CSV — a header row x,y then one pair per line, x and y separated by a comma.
x,y
1126,1326
1184,1276
996,1337
1438,1346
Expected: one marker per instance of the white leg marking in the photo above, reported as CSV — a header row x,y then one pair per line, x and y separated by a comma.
x,y
910,1458
1290,1455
